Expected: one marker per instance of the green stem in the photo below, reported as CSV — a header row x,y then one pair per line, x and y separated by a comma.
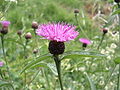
x,y
108,79
80,26
76,19
1,74
25,80
118,82
58,66
4,54
101,41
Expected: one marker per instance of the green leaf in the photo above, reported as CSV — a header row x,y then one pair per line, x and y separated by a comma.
x,y
91,82
117,60
34,62
53,68
14,40
39,65
116,12
74,54
4,83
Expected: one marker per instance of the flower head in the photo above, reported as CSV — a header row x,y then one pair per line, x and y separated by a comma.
x,y
59,32
85,41
1,64
5,23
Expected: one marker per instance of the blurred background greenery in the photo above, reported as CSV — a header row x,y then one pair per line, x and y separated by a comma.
x,y
93,16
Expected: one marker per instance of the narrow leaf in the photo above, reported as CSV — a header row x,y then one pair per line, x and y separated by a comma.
x,y
35,62
74,54
91,82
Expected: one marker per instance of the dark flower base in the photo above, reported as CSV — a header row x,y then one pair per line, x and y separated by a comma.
x,y
56,48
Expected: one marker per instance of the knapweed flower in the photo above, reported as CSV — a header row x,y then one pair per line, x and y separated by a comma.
x,y
1,63
85,41
5,23
58,33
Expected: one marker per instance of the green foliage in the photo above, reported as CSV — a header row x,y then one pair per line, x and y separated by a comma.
x,y
81,69
117,60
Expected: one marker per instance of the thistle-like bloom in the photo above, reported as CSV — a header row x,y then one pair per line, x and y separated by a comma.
x,y
85,42
59,32
1,64
5,23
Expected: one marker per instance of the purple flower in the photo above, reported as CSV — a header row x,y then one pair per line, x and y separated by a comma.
x,y
1,63
59,32
5,23
85,41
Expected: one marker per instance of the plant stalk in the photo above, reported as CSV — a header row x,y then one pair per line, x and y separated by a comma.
x,y
25,80
101,41
118,82
4,54
58,67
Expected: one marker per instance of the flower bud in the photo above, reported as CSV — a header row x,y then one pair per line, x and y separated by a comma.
x,y
35,51
105,30
19,32
56,48
28,35
34,25
76,11
4,30
117,1
84,45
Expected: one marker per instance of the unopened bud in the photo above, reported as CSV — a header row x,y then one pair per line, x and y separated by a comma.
x,y
34,25
117,1
76,11
35,51
28,35
4,30
105,30
19,32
